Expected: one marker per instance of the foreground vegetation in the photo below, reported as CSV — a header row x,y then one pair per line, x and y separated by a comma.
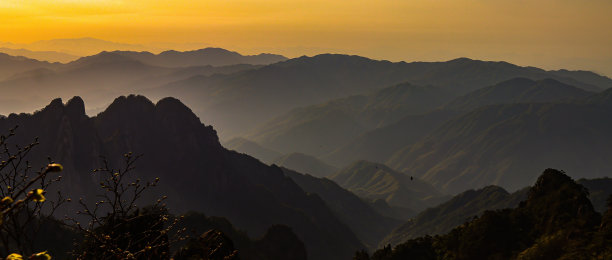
x,y
557,221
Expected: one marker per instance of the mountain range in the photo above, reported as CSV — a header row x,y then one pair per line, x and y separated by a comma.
x,y
78,46
555,221
49,56
320,129
518,90
493,135
331,140
236,103
101,77
241,100
502,144
332,153
196,172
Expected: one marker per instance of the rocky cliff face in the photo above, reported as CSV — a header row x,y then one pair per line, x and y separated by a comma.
x,y
196,172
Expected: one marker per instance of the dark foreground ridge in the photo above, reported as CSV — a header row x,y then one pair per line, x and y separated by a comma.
x,y
557,221
196,172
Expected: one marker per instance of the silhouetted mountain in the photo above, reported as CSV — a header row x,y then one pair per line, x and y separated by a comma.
x,y
377,181
253,149
556,221
75,46
202,57
196,172
320,129
380,144
238,102
49,56
505,144
448,215
588,77
367,224
98,78
465,75
10,65
305,163
518,90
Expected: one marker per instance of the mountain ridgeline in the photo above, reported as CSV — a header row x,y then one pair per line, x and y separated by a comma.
x,y
424,159
556,221
239,102
504,144
239,98
463,207
101,77
196,172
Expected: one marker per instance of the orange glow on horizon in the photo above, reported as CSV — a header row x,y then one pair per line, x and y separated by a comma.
x,y
547,33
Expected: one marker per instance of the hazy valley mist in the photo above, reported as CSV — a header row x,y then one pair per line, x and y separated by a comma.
x,y
265,130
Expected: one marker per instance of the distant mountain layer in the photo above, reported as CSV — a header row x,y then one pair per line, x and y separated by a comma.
x,y
518,90
503,144
206,56
305,164
239,102
322,128
380,144
448,215
367,224
99,79
10,65
376,181
196,172
50,56
76,46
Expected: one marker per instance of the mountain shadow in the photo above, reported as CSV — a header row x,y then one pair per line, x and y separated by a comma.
x,y
556,221
196,172
461,208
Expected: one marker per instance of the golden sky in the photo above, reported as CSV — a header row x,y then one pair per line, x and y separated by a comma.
x,y
574,34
